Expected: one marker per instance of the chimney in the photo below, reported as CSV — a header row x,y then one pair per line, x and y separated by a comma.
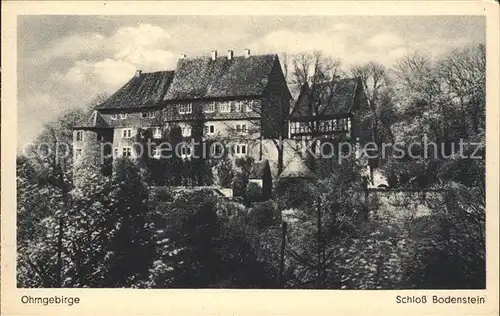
x,y
182,56
230,54
247,53
138,73
214,54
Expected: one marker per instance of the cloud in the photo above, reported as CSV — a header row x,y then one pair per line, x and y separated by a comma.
x,y
385,40
333,43
78,67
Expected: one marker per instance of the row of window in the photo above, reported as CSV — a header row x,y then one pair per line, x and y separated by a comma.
x,y
224,107
186,131
321,126
187,108
157,131
185,151
123,116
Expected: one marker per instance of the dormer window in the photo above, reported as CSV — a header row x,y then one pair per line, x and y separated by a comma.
x,y
149,114
237,106
209,107
225,107
185,108
248,106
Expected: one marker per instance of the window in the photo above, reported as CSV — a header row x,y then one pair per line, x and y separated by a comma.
x,y
123,116
78,153
249,105
149,114
225,107
127,133
156,132
210,107
127,151
241,128
240,149
79,136
186,131
185,108
114,116
216,150
210,129
157,153
237,106
185,152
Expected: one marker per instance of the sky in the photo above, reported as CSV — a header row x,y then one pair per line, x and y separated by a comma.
x,y
65,61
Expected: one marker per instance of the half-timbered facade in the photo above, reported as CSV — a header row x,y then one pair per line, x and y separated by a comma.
x,y
327,110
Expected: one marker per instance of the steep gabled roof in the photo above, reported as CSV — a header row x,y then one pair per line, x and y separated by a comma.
x,y
204,78
144,89
95,120
335,98
295,89
296,168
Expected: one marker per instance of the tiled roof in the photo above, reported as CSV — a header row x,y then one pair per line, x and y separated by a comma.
x,y
95,120
336,98
203,78
144,89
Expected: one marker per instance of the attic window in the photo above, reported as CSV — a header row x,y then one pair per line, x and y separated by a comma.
x,y
185,108
225,107
237,106
149,114
248,106
210,107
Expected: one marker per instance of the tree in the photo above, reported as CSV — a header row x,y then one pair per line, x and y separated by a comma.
x,y
375,81
106,228
447,248
199,250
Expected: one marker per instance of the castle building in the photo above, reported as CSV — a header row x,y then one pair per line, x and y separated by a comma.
x,y
239,99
